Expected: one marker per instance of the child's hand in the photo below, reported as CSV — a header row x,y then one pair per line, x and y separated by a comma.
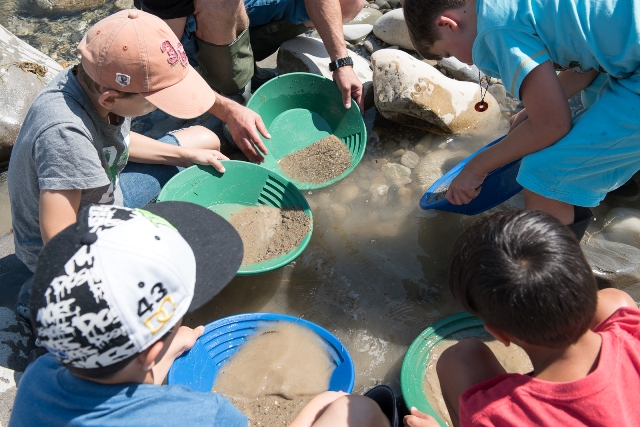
x,y
184,340
203,156
517,118
419,419
466,186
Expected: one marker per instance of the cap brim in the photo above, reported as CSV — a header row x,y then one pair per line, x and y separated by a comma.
x,y
215,243
189,98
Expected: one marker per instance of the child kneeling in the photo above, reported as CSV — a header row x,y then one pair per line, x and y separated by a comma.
x,y
108,299
524,275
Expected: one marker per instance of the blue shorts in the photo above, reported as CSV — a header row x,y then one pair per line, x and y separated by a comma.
x,y
600,154
141,183
262,12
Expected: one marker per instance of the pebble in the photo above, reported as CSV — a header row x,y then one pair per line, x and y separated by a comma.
x,y
404,143
395,171
380,162
378,179
356,32
374,6
389,145
382,4
379,194
399,152
421,148
350,193
410,159
404,195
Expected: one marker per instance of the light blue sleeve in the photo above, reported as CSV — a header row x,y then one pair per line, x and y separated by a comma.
x,y
509,55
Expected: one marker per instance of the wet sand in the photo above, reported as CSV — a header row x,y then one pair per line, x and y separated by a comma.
x,y
271,411
269,232
322,161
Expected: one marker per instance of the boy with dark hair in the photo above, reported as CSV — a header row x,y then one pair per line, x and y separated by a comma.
x,y
524,275
108,299
566,161
75,141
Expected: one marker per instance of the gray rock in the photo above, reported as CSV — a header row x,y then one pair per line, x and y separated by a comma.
x,y
623,226
309,55
366,16
356,32
382,4
396,172
394,3
55,7
459,70
614,264
392,29
373,6
413,93
19,85
371,46
410,159
379,194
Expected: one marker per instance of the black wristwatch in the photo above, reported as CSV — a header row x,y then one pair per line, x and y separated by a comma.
x,y
342,62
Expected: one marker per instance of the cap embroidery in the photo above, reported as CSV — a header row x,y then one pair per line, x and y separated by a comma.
x,y
175,54
165,312
123,80
155,219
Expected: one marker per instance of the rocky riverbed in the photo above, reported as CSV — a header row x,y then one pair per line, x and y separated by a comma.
x,y
373,273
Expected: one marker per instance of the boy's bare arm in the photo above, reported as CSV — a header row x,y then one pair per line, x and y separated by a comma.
x,y
58,210
573,83
549,120
143,149
610,300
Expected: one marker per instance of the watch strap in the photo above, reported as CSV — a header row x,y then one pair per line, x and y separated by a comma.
x,y
341,62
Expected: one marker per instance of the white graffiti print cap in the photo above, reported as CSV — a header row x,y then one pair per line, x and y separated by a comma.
x,y
118,280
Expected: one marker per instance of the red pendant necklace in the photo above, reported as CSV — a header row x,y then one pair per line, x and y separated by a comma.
x,y
482,106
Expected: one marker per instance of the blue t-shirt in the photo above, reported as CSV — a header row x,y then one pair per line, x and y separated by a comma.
x,y
49,395
515,36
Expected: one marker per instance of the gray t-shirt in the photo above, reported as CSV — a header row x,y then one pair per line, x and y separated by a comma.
x,y
64,144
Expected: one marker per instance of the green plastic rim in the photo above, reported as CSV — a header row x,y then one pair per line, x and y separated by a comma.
x,y
415,362
243,184
299,109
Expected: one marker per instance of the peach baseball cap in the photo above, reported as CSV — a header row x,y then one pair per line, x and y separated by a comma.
x,y
134,51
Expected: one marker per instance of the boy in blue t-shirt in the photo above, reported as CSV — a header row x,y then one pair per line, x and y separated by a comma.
x,y
107,302
594,45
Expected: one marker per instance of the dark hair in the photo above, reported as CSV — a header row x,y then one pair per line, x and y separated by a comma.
x,y
524,273
420,16
105,372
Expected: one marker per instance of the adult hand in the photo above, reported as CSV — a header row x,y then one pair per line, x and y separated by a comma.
x,y
517,118
419,419
466,186
203,156
243,123
349,85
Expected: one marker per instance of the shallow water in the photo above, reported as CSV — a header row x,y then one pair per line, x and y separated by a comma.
x,y
373,273
57,36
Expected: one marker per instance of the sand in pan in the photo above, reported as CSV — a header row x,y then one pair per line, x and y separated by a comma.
x,y
276,373
269,232
320,162
513,359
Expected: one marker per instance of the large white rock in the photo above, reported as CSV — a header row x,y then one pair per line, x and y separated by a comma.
x,y
356,32
18,86
392,29
8,384
413,93
366,16
307,54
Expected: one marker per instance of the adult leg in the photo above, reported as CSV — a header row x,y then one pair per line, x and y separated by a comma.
x,y
224,51
335,409
461,366
141,183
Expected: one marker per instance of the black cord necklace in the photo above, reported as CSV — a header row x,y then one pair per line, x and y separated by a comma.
x,y
482,106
